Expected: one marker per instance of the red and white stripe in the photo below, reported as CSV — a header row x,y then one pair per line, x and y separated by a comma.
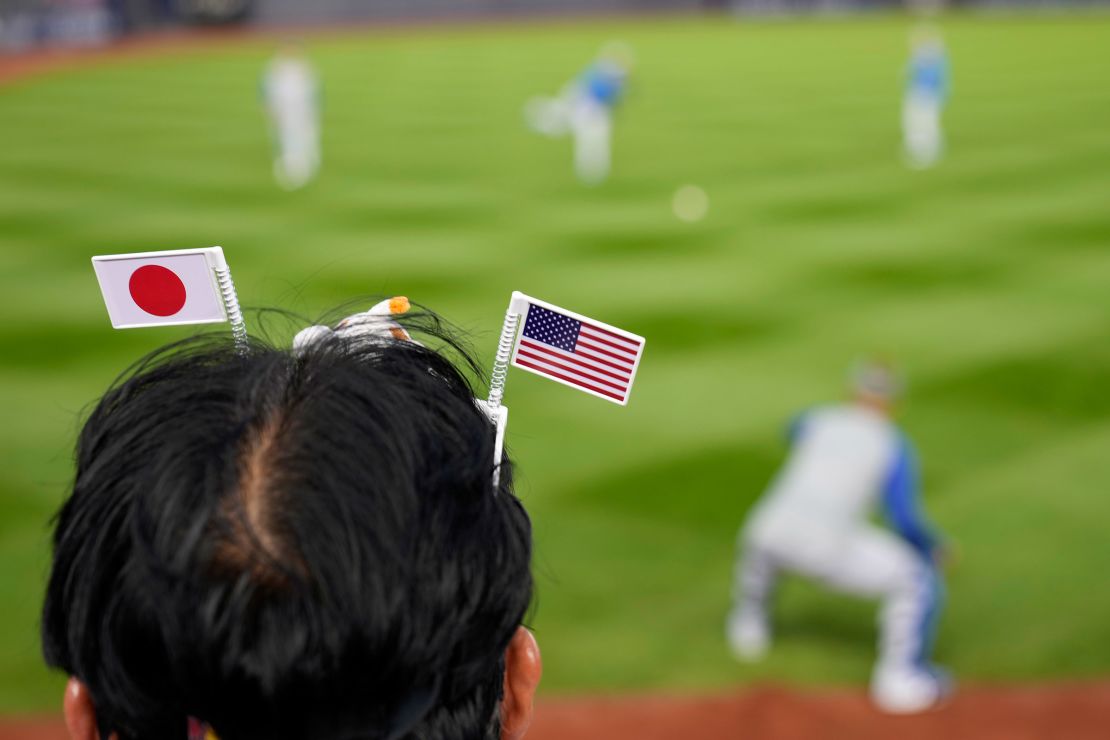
x,y
604,362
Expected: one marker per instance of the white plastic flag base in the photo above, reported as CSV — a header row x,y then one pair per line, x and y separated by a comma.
x,y
499,416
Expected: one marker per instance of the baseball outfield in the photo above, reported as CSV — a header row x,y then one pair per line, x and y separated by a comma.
x,y
985,278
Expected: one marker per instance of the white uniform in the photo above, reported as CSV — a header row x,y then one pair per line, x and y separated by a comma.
x,y
922,135
815,521
923,104
291,94
592,124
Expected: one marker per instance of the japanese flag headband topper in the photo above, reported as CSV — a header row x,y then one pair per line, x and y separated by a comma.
x,y
182,286
563,346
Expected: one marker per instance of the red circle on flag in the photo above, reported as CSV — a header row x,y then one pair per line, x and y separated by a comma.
x,y
157,290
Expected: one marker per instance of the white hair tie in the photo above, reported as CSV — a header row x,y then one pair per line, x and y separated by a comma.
x,y
373,324
310,336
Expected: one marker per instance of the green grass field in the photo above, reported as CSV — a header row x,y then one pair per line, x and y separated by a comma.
x,y
987,278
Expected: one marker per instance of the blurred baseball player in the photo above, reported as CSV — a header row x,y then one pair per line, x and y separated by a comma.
x,y
926,93
290,92
846,461
585,110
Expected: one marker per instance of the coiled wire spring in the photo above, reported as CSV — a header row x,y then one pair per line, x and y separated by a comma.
x,y
231,305
501,360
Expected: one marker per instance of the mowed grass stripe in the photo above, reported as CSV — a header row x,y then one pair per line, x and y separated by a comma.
x,y
985,277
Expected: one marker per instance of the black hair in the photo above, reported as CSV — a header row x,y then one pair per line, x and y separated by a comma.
x,y
290,545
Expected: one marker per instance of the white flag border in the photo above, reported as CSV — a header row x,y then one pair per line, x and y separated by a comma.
x,y
213,255
521,303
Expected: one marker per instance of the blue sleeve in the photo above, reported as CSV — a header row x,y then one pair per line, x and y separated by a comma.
x,y
900,501
795,428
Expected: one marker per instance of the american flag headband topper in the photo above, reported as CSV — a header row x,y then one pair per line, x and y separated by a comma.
x,y
564,346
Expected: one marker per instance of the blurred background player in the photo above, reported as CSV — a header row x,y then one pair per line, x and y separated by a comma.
x,y
291,94
846,460
926,93
585,109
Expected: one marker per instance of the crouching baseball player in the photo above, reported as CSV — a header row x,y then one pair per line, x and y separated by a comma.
x,y
845,462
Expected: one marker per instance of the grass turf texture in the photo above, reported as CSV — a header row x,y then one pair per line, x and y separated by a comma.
x,y
987,278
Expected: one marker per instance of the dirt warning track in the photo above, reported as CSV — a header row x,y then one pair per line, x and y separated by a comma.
x,y
1079,711
1041,712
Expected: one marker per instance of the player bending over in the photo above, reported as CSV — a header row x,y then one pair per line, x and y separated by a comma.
x,y
292,544
815,521
585,109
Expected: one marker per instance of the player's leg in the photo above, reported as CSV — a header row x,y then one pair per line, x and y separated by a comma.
x,y
297,150
749,623
876,563
905,679
935,133
592,129
921,127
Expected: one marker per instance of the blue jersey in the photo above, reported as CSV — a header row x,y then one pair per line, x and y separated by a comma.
x,y
838,453
928,74
604,83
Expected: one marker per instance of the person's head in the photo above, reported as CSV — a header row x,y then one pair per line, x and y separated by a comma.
x,y
926,40
292,545
876,385
618,54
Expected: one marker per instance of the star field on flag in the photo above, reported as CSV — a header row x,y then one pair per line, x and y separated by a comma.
x,y
577,351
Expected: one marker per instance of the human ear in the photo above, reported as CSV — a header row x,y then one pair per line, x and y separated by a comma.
x,y
79,711
523,668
